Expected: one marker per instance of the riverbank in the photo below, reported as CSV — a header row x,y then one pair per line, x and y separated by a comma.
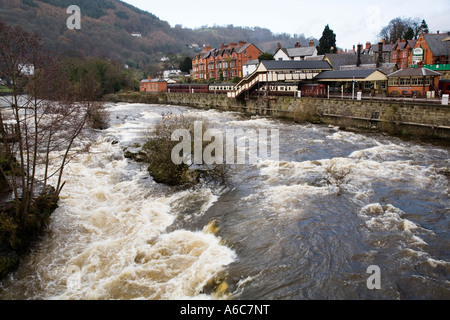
x,y
409,119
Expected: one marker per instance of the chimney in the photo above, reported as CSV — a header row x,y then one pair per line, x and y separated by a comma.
x,y
354,50
223,46
278,46
368,45
242,43
358,62
232,45
149,78
298,45
311,43
208,48
438,32
380,53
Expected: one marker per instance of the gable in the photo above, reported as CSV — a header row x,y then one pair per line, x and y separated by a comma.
x,y
281,53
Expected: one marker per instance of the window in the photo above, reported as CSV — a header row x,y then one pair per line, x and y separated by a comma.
x,y
393,82
405,81
417,82
383,85
367,85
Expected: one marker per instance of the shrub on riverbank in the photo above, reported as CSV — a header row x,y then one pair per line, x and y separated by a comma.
x,y
158,154
17,233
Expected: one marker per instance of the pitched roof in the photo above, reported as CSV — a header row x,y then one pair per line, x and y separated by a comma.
x,y
437,45
299,65
414,72
346,74
153,80
243,48
317,58
338,60
251,62
386,47
300,52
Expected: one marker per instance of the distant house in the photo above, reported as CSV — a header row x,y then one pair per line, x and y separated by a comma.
x,y
224,63
250,67
26,69
171,73
340,61
385,50
401,52
153,85
360,61
136,34
298,53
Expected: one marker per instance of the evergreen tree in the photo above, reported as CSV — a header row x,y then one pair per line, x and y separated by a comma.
x,y
424,27
186,65
327,44
266,56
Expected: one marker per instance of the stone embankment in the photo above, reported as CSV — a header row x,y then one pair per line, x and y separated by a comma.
x,y
407,118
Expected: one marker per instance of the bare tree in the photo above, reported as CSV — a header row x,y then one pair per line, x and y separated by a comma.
x,y
400,28
40,125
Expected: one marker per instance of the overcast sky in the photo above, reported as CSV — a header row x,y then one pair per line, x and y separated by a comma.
x,y
352,21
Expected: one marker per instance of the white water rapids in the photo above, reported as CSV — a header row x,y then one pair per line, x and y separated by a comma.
x,y
283,231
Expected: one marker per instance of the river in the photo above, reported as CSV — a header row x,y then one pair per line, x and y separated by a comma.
x,y
306,226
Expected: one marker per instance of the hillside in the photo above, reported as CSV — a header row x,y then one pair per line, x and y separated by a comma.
x,y
106,27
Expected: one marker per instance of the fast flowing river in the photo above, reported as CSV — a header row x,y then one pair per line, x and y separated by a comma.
x,y
308,226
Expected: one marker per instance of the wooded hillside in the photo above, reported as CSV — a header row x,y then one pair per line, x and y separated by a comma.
x,y
107,25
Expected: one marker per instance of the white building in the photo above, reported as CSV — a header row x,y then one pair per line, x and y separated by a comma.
x,y
171,73
26,69
250,67
297,54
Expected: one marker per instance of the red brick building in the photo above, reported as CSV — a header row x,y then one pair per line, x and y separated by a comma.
x,y
401,52
431,49
413,82
224,63
153,85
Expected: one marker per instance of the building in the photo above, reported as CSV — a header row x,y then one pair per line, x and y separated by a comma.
x,y
172,73
365,80
413,82
401,53
343,61
26,69
383,51
224,63
298,53
153,85
271,71
250,67
431,51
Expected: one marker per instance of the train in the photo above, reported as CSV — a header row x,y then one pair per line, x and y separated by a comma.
x,y
444,86
277,89
201,88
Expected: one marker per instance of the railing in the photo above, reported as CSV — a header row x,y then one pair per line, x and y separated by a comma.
x,y
254,78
